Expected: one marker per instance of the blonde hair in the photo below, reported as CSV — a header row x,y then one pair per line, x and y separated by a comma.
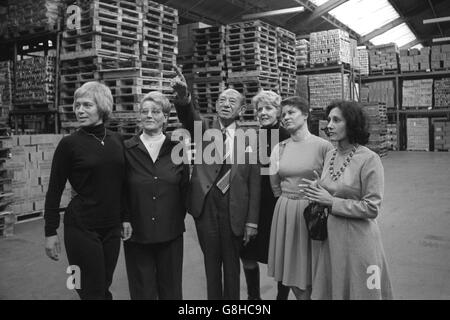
x,y
267,96
101,95
159,98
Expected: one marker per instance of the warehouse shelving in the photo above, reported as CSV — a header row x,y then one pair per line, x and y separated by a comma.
x,y
399,114
342,68
39,44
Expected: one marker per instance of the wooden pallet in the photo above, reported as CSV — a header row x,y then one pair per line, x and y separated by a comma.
x,y
138,73
98,44
249,73
35,30
7,221
29,216
383,72
99,62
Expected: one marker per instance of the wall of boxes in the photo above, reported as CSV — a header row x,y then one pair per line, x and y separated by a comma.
x,y
29,166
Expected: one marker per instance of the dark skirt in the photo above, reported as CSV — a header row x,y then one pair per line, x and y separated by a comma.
x,y
258,248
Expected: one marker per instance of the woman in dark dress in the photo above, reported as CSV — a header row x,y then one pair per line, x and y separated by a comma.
x,y
92,160
267,105
156,194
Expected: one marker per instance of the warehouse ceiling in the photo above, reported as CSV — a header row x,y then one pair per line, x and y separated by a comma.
x,y
317,18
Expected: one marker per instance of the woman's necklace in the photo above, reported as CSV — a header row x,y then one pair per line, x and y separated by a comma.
x,y
102,141
336,175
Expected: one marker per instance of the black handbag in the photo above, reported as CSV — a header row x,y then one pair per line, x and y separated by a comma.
x,y
316,216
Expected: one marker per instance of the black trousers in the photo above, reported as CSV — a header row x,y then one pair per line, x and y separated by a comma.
x,y
220,247
95,252
155,270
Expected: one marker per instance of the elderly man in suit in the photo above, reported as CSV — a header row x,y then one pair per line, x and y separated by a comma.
x,y
223,197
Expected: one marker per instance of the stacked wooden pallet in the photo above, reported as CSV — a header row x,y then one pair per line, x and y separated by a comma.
x,y
209,67
326,87
330,47
302,87
287,62
3,20
32,16
7,219
415,59
35,81
442,93
391,136
159,51
377,121
252,60
384,59
440,57
417,134
108,38
302,53
130,46
30,165
186,47
6,86
418,93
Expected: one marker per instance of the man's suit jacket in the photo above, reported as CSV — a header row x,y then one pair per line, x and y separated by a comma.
x,y
245,179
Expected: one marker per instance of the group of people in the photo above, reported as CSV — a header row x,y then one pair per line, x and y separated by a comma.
x,y
134,190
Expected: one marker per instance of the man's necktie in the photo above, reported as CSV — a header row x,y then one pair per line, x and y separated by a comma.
x,y
223,183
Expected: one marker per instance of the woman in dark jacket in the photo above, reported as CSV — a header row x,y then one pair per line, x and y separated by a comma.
x,y
267,105
156,189
91,159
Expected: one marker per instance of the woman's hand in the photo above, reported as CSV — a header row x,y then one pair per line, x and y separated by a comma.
x,y
53,247
318,194
127,230
310,183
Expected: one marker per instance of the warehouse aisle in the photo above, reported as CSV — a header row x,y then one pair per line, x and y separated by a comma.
x,y
415,224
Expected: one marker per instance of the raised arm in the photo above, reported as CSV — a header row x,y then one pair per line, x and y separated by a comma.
x,y
183,103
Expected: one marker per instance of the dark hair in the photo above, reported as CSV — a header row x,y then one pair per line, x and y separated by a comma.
x,y
297,102
355,118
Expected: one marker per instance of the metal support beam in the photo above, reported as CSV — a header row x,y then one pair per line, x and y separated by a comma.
x,y
382,29
410,44
436,20
272,13
296,25
319,11
441,39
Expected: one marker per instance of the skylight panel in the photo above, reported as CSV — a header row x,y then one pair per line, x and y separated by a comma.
x,y
364,16
401,35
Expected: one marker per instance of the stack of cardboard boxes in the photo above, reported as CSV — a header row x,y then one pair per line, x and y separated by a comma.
x,y
415,59
30,165
418,93
440,57
417,131
330,47
441,135
383,58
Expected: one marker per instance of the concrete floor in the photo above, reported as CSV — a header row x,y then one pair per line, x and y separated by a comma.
x,y
415,224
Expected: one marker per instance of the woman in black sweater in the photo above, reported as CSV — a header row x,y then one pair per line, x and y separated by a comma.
x,y
267,105
92,160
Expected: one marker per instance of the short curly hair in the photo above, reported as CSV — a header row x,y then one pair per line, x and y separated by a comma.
x,y
357,126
